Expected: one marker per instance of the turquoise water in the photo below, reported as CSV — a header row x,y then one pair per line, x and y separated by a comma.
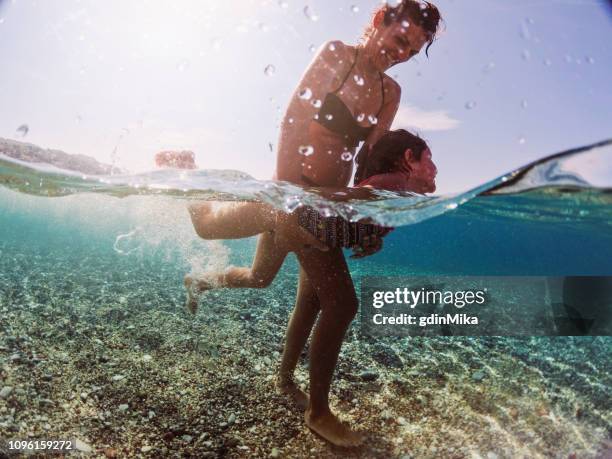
x,y
124,243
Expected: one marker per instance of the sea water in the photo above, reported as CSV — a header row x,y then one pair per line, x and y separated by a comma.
x,y
87,258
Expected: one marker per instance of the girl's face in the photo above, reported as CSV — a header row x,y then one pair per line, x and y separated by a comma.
x,y
422,173
398,42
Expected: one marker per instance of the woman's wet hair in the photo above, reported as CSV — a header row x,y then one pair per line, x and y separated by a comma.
x,y
388,153
420,13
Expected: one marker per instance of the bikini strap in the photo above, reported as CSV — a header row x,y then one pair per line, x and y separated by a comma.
x,y
382,87
349,72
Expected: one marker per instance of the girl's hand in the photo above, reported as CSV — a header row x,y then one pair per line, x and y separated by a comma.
x,y
369,246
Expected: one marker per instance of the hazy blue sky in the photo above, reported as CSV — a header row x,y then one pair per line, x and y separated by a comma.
x,y
507,82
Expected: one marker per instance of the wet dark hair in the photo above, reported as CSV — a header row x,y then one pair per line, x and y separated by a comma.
x,y
387,154
421,13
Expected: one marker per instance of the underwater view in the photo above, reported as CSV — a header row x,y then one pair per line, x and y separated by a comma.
x,y
306,229
96,344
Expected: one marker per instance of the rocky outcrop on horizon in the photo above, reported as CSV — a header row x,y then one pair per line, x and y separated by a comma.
x,y
74,162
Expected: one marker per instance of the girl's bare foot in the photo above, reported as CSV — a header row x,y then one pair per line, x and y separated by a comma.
x,y
289,387
331,429
194,287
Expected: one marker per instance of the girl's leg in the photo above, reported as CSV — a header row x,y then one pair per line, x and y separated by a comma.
x,y
329,275
246,219
233,220
268,261
299,328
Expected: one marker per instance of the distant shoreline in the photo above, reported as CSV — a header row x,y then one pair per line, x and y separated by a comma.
x,y
73,162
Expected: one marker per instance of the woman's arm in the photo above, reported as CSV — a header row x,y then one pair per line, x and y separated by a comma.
x,y
393,95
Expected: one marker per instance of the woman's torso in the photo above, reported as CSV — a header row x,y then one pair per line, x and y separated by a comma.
x,y
319,152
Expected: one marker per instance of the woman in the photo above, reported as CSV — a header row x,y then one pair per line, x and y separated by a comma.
x,y
343,98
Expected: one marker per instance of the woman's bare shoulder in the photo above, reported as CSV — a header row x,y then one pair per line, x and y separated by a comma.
x,y
336,51
393,90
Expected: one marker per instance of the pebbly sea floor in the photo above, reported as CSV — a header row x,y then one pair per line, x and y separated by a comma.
x,y
95,344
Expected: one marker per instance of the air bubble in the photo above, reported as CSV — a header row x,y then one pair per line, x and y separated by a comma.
x,y
305,94
355,9
590,60
523,104
522,140
547,62
359,80
312,48
372,119
329,117
332,47
526,55
270,70
470,105
316,103
489,67
405,24
346,156
361,117
290,120
283,4
306,150
310,14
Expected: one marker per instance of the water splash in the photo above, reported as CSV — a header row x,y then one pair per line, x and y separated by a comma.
x,y
306,150
305,94
270,70
23,130
310,14
583,175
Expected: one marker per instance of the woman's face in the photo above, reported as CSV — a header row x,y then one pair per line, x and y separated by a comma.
x,y
399,41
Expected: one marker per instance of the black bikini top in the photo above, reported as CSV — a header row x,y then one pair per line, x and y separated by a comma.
x,y
336,116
